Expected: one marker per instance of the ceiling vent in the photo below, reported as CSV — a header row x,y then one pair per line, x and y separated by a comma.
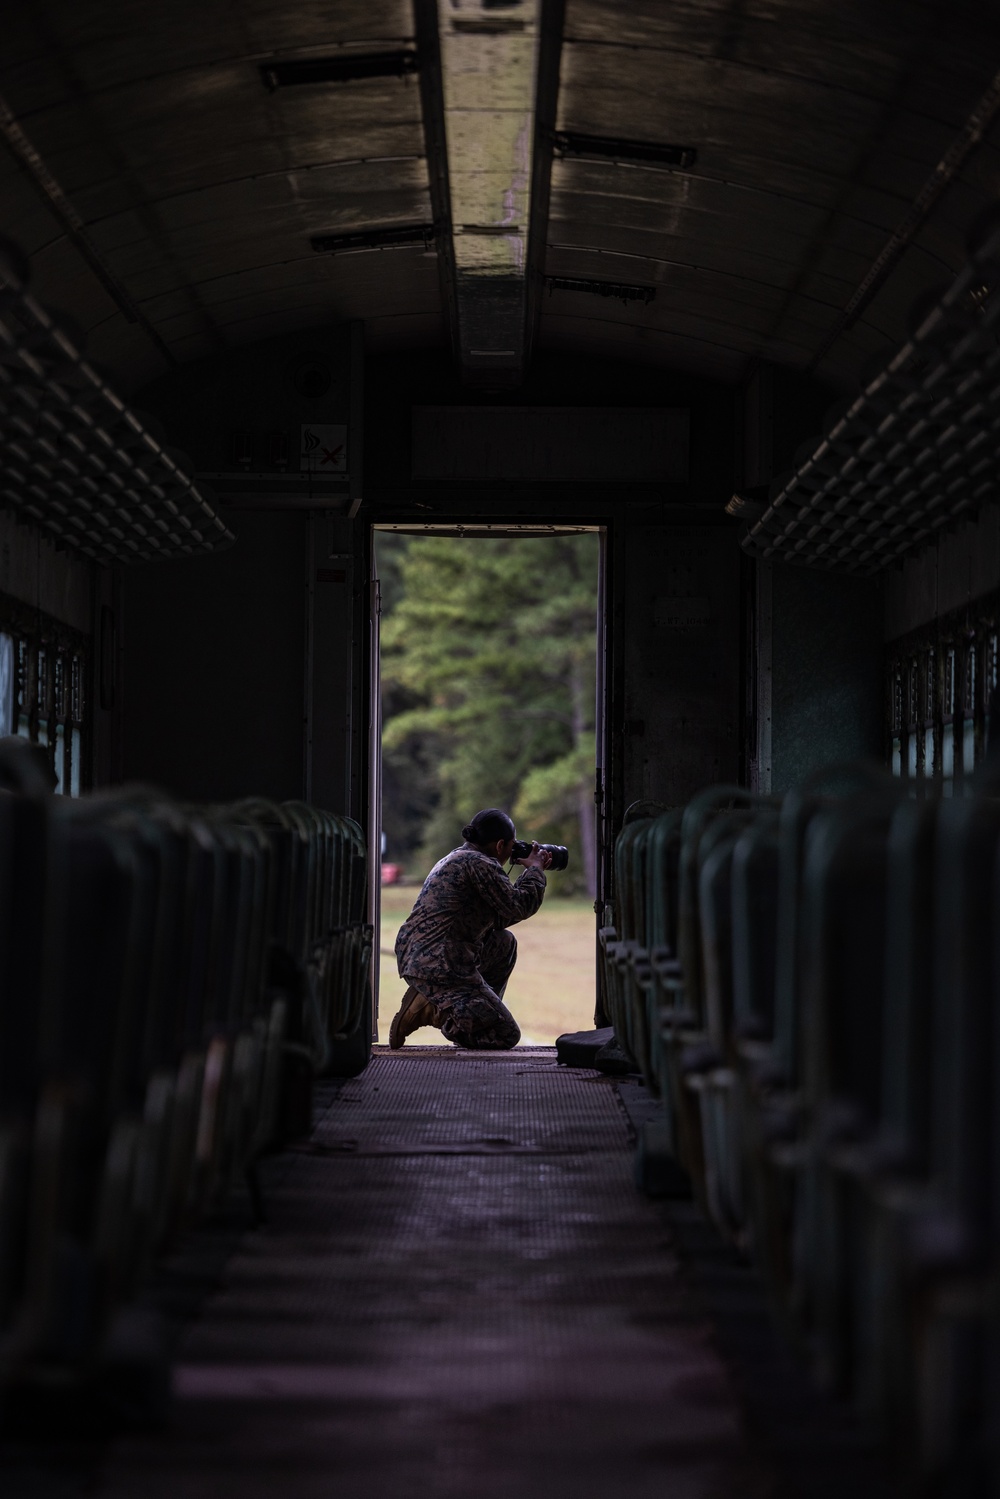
x,y
343,68
621,291
616,148
396,237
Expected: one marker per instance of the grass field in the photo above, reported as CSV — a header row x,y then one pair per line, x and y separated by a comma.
x,y
552,988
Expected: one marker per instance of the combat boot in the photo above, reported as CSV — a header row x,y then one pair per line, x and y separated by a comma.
x,y
414,1011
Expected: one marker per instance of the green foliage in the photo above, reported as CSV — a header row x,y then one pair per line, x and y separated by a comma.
x,y
488,687
551,792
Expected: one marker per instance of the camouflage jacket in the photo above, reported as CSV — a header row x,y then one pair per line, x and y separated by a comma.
x,y
466,896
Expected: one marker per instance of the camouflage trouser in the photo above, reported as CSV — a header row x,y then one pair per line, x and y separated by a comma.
x,y
472,1011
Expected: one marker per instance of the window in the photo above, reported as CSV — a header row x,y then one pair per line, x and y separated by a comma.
x,y
928,709
948,721
43,669
8,684
25,692
990,684
76,719
912,719
940,684
969,697
896,718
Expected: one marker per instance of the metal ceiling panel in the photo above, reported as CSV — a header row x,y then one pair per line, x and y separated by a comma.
x,y
700,355
186,170
816,124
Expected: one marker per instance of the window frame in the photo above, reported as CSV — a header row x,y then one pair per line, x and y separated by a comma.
x,y
52,694
938,683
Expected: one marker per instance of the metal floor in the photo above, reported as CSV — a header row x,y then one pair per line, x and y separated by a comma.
x,y
458,1292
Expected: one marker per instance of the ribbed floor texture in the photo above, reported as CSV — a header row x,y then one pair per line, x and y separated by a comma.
x,y
458,1292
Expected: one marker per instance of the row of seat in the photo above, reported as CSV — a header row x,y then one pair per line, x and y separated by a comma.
x,y
170,976
811,985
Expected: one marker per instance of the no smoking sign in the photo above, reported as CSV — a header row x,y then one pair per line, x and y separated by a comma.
x,y
323,449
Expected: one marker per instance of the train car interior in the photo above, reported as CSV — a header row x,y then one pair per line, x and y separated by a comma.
x,y
714,285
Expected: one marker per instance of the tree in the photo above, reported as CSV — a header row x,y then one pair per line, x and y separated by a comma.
x,y
488,672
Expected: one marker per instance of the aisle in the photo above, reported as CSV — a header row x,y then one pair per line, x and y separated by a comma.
x,y
459,1293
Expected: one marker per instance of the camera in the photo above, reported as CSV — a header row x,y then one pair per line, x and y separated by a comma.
x,y
560,855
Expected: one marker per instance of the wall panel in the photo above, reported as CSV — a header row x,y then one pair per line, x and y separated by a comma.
x,y
214,651
680,617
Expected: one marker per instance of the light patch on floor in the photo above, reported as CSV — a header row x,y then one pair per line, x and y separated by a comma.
x,y
458,1294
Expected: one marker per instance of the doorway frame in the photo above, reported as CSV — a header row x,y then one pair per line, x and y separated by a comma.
x,y
482,524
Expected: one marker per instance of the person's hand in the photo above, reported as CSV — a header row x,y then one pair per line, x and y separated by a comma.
x,y
539,858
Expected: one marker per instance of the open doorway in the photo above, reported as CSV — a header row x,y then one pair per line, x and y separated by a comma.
x,y
491,694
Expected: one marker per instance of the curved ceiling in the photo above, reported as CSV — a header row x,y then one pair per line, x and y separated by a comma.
x,y
168,197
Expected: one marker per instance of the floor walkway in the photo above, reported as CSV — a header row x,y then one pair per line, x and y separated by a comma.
x,y
459,1292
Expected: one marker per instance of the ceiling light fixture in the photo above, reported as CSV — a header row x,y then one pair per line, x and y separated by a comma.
x,y
489,63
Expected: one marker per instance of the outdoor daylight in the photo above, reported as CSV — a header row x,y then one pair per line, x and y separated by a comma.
x,y
488,691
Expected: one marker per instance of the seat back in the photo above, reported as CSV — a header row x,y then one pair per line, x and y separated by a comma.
x,y
755,927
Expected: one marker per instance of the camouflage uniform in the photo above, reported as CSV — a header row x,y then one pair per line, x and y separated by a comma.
x,y
454,948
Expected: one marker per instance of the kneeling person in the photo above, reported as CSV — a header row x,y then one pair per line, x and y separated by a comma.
x,y
454,951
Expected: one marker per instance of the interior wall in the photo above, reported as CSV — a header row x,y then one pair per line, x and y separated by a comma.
x,y
35,573
274,387
826,672
957,567
214,652
816,648
337,587
394,384
680,619
107,678
673,690
238,665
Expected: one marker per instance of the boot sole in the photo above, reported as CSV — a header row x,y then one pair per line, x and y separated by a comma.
x,y
397,1040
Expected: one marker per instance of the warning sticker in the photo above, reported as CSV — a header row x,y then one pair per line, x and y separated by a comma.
x,y
323,449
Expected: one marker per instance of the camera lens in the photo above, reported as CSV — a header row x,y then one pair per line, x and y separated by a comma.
x,y
560,855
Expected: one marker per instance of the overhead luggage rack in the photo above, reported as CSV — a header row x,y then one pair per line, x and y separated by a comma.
x,y
77,461
918,449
